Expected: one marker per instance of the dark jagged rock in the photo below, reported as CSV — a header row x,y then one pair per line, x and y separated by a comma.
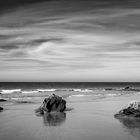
x,y
1,109
52,103
24,102
3,100
132,110
109,89
128,88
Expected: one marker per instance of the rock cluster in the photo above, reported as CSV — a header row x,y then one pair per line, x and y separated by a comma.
x,y
52,103
128,88
132,110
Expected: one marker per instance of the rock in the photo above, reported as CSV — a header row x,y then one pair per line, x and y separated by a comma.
x,y
109,89
132,110
3,100
24,102
128,88
52,103
1,108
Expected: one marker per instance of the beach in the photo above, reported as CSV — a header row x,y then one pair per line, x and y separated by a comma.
x,y
69,69
90,117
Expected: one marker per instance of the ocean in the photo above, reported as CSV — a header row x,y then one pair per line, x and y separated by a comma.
x,y
65,85
65,89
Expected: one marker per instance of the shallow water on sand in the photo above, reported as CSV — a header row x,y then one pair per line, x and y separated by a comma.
x,y
89,119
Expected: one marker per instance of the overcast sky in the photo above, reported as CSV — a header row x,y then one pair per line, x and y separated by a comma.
x,y
70,40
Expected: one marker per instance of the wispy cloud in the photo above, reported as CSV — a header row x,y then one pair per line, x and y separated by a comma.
x,y
86,41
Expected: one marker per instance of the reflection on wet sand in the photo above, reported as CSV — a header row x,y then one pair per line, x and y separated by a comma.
x,y
54,118
132,126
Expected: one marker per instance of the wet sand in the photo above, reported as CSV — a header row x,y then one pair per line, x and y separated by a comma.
x,y
89,120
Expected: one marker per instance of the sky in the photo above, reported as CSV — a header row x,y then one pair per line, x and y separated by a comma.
x,y
70,40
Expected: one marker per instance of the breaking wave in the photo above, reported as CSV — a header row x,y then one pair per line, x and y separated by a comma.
x,y
79,95
10,91
64,92
83,90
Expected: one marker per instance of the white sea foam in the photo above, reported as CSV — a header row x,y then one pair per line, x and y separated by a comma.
x,y
79,95
96,95
10,91
28,98
46,90
112,94
56,90
30,92
16,99
83,90
20,98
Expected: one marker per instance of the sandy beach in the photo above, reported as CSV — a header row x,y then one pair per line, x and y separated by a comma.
x,y
89,119
87,52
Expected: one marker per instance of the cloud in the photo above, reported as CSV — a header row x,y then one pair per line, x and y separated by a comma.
x,y
81,41
10,47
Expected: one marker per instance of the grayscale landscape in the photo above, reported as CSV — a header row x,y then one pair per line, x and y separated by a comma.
x,y
84,54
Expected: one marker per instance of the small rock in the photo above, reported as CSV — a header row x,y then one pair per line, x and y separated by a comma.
x,y
1,108
24,102
3,100
109,89
132,110
127,88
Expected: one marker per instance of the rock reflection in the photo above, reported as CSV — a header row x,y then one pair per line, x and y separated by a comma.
x,y
132,126
54,118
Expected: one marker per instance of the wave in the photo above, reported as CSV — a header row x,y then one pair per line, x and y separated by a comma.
x,y
98,95
67,89
10,91
82,90
79,95
46,90
57,90
29,92
112,94
65,92
16,98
